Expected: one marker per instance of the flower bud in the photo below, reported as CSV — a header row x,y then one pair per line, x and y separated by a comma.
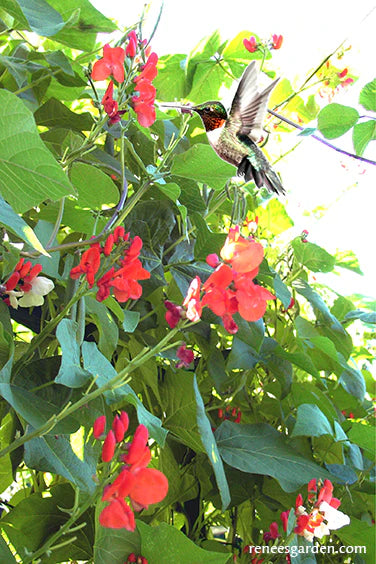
x,y
99,426
108,449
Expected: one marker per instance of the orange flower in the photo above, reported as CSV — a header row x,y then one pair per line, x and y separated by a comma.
x,y
251,298
243,254
143,486
112,63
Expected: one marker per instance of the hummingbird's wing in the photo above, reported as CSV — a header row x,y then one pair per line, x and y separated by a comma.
x,y
249,105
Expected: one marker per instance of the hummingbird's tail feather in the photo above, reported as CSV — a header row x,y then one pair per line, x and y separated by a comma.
x,y
256,167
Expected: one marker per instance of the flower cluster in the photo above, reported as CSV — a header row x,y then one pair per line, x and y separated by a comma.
x,y
24,287
333,80
141,485
230,413
323,515
231,288
122,280
143,103
112,64
132,558
252,45
318,522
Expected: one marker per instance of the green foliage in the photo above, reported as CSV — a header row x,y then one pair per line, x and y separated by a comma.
x,y
298,379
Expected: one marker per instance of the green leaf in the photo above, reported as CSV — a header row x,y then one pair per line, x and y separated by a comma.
x,y
363,133
348,260
84,23
170,81
363,315
84,177
274,217
364,436
112,545
353,382
311,422
172,545
207,80
261,449
70,374
42,18
359,534
103,371
367,96
28,172
32,407
180,407
207,242
107,327
334,120
6,345
55,454
242,356
55,114
32,521
303,288
201,163
131,319
281,291
7,433
312,256
171,190
6,557
210,445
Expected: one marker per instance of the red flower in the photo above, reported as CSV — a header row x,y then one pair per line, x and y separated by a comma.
x,y
125,283
343,73
220,299
186,356
99,426
133,559
89,265
131,48
108,449
138,452
250,44
284,519
143,104
118,515
244,255
325,494
272,534
192,300
112,63
277,41
173,314
110,105
149,70
118,429
251,298
142,485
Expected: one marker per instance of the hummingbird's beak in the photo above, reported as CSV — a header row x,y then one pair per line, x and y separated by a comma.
x,y
185,109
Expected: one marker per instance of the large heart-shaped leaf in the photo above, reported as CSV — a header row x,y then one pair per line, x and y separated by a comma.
x,y
28,172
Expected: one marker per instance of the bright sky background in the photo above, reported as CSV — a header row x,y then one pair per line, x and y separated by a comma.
x,y
312,174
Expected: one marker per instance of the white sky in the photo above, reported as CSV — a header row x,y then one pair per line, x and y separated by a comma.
x,y
312,174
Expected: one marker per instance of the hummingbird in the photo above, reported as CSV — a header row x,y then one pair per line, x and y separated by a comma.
x,y
234,135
